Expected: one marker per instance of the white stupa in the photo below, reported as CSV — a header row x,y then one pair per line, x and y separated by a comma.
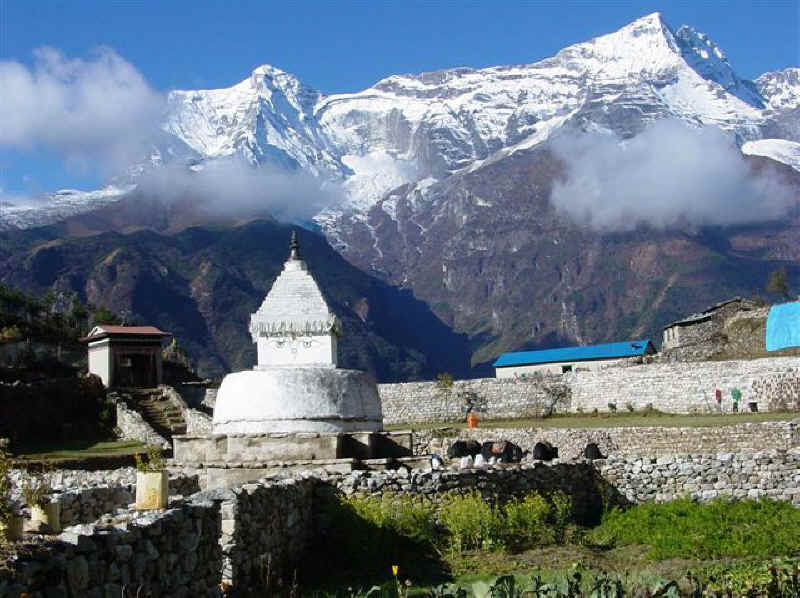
x,y
296,386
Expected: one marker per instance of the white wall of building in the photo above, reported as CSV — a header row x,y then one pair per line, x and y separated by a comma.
x,y
520,371
672,337
100,362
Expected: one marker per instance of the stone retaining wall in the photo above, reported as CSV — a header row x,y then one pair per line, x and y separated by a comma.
x,y
639,441
171,553
248,537
671,387
132,426
266,528
85,496
773,474
242,539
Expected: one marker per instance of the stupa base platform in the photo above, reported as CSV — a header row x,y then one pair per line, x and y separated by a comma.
x,y
230,459
229,475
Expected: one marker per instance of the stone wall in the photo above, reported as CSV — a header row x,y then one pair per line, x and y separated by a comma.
x,y
85,496
672,387
171,553
783,391
626,441
580,481
678,387
494,398
773,474
197,422
241,539
132,426
266,527
247,538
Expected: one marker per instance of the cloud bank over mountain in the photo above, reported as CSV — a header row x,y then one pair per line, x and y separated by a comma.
x,y
232,188
670,174
98,113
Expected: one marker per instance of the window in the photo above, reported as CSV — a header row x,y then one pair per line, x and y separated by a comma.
x,y
566,368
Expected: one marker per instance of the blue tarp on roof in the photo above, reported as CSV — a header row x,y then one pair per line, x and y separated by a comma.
x,y
783,326
606,351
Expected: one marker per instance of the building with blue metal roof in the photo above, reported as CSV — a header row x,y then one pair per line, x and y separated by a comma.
x,y
567,359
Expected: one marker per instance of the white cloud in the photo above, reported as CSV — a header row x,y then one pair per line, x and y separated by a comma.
x,y
231,187
96,113
668,175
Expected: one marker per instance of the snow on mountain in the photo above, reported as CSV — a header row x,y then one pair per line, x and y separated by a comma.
x,y
780,150
408,128
780,89
268,117
59,205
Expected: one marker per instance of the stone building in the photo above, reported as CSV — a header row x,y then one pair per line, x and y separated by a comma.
x,y
127,356
569,359
709,334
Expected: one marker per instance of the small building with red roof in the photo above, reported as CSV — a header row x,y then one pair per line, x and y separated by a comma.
x,y
127,356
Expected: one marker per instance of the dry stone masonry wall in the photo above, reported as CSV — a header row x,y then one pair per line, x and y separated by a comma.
x,y
132,426
417,402
171,553
245,538
672,387
651,441
618,479
772,474
265,527
85,496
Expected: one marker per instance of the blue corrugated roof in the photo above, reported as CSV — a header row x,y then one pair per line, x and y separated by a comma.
x,y
605,351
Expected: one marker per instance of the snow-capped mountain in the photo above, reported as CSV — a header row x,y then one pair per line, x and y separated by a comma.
x,y
780,150
423,128
411,127
780,89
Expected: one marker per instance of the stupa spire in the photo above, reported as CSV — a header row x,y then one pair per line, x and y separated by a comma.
x,y
294,247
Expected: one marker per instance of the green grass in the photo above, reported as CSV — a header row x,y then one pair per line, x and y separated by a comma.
x,y
617,420
685,529
79,449
468,542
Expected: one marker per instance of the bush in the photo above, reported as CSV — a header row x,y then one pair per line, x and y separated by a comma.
x,y
444,380
470,522
404,515
685,529
526,522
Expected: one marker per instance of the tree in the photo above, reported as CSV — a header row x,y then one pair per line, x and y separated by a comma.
x,y
104,316
776,283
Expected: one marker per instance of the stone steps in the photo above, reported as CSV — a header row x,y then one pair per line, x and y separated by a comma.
x,y
162,415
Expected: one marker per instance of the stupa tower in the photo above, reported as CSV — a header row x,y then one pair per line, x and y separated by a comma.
x,y
294,325
296,385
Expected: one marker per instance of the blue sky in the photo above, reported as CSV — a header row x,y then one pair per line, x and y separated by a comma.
x,y
344,46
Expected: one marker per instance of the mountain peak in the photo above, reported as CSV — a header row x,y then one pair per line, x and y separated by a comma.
x,y
267,70
710,62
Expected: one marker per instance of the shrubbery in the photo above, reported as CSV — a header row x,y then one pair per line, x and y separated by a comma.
x,y
684,528
52,410
468,521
